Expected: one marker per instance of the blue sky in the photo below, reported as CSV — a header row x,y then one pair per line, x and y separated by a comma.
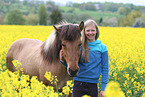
x,y
135,2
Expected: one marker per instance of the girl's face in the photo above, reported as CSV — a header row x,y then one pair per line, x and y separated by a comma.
x,y
90,32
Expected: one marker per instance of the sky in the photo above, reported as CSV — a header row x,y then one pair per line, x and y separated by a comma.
x,y
135,2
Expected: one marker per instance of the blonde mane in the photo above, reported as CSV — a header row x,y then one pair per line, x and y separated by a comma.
x,y
48,43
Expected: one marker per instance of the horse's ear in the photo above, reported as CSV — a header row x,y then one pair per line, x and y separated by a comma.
x,y
57,29
81,25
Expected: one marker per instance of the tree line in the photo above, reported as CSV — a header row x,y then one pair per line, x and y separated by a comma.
x,y
33,12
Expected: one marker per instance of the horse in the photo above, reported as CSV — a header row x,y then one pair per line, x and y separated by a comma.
x,y
39,57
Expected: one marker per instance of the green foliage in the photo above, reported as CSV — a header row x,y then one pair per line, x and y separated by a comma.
x,y
88,7
15,18
71,10
110,22
132,16
77,5
76,18
69,4
32,19
25,2
50,5
124,10
121,10
111,7
8,5
55,16
133,81
70,17
1,19
78,14
127,11
123,21
128,20
94,10
42,15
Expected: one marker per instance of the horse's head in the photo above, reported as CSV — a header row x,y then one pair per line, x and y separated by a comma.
x,y
70,36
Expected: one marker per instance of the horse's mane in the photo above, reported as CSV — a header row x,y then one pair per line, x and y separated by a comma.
x,y
52,46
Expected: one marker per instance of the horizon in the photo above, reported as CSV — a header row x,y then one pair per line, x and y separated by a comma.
x,y
134,2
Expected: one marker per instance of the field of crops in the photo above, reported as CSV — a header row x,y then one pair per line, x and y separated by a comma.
x,y
126,47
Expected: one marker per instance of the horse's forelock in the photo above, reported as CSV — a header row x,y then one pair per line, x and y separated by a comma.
x,y
70,32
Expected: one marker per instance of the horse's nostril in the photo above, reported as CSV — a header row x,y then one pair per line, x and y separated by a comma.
x,y
72,73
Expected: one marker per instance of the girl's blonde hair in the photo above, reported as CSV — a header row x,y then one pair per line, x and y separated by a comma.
x,y
85,48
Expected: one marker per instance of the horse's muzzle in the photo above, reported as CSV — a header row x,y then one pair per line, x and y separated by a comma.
x,y
72,73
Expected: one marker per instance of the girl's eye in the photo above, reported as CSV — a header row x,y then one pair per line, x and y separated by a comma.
x,y
87,30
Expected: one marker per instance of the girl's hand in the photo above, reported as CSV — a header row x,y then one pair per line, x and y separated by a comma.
x,y
61,55
101,93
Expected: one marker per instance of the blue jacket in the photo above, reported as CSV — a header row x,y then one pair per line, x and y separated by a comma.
x,y
98,63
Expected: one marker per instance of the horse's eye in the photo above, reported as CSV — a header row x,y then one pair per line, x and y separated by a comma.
x,y
80,44
63,45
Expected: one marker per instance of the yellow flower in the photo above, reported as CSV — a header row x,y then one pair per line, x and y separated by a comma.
x,y
69,83
132,79
52,94
113,90
86,96
66,90
48,76
129,91
126,61
143,95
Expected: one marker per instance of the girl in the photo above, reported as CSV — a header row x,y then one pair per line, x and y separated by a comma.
x,y
93,63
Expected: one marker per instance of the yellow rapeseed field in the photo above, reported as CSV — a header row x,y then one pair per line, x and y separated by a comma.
x,y
126,47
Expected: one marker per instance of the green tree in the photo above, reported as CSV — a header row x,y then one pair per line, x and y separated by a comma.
x,y
140,22
88,7
15,18
127,11
1,19
42,15
71,10
121,10
69,4
133,16
32,19
25,2
50,5
129,20
55,16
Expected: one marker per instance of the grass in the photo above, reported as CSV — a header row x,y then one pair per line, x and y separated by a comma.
x,y
95,14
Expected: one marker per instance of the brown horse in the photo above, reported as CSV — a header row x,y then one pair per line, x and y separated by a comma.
x,y
38,57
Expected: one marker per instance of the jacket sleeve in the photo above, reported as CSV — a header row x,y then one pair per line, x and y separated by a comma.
x,y
105,70
63,63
